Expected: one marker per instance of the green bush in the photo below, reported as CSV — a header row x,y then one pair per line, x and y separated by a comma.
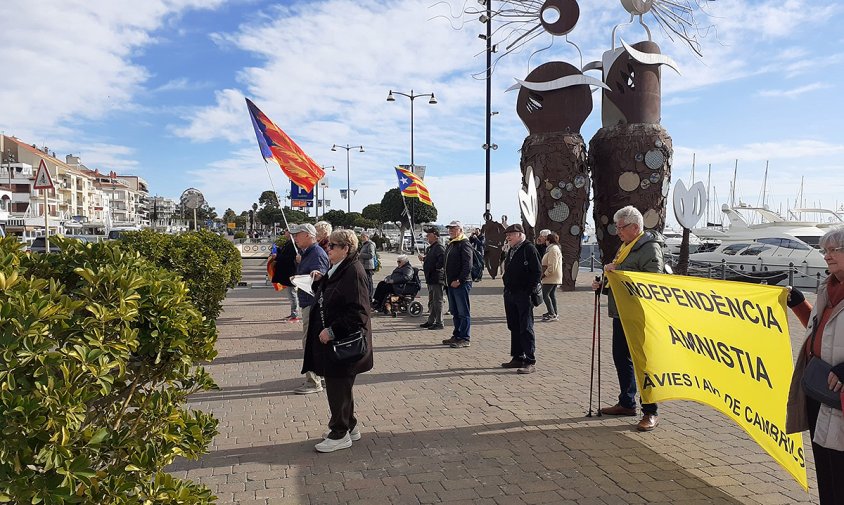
x,y
239,235
209,264
100,350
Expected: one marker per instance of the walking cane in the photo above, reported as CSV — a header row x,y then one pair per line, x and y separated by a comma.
x,y
598,312
595,323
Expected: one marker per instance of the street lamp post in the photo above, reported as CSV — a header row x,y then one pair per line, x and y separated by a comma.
x,y
10,158
348,148
316,210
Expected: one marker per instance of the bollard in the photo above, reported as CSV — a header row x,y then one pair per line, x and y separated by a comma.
x,y
723,270
791,273
592,262
708,270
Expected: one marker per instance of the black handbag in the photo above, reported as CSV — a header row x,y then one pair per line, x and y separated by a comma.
x,y
349,348
816,376
536,295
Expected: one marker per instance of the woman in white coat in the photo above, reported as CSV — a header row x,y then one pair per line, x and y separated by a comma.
x,y
552,276
825,339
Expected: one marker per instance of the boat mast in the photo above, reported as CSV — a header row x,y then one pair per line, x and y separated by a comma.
x,y
733,186
693,170
708,180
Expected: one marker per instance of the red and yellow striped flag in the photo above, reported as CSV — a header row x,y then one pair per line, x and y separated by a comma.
x,y
412,186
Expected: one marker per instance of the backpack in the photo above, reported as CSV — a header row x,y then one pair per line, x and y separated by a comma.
x,y
477,265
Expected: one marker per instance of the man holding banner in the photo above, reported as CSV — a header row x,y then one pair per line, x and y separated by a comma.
x,y
639,252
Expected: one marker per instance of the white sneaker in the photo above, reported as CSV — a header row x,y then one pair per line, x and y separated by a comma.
x,y
329,445
308,388
354,433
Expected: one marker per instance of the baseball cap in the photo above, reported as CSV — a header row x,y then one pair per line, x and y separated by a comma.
x,y
306,227
454,224
514,228
432,229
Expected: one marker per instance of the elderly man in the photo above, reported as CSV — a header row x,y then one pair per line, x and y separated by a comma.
x,y
542,242
285,268
367,259
402,274
521,276
640,251
433,262
312,259
458,277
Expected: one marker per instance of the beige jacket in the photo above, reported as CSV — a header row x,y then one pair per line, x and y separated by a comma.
x,y
552,265
829,432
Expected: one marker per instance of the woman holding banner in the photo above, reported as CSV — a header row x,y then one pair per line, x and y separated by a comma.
x,y
822,416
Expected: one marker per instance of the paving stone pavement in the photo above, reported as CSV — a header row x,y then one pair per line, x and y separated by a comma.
x,y
444,425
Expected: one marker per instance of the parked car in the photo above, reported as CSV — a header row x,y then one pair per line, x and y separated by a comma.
x,y
39,246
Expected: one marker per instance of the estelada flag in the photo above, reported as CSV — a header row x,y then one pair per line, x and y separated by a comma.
x,y
276,145
412,186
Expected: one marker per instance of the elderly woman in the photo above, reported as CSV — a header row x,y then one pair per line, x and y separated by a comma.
x,y
342,309
825,339
402,274
552,275
323,230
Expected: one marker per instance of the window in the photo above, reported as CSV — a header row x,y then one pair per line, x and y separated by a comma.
x,y
733,249
755,250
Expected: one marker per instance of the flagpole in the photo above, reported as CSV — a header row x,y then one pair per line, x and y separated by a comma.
x,y
280,204
409,220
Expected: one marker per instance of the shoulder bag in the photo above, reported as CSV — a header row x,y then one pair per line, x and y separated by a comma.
x,y
815,376
347,349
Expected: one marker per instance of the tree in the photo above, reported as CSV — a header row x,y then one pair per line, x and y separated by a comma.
x,y
229,216
373,213
337,218
268,199
393,210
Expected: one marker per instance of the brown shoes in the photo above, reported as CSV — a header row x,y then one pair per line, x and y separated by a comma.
x,y
528,368
513,363
449,341
618,410
648,422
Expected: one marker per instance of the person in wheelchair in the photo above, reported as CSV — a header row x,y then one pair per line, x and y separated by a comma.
x,y
393,284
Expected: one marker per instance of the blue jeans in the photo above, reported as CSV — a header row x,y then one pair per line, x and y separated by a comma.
x,y
458,304
624,367
519,311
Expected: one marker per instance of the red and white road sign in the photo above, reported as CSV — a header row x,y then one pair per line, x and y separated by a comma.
x,y
42,177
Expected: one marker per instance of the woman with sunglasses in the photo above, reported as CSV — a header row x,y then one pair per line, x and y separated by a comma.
x,y
825,339
342,309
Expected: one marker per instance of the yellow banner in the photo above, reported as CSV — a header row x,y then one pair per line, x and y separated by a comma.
x,y
723,344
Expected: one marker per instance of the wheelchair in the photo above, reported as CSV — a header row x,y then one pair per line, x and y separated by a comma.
x,y
403,299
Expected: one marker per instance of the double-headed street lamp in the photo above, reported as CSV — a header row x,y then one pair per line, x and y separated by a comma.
x,y
412,97
348,148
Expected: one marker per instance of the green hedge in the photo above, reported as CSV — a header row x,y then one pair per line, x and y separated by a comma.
x,y
208,263
100,350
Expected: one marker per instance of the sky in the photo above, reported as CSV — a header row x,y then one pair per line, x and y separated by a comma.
x,y
156,89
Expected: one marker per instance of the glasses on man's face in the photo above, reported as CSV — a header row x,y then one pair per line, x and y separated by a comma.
x,y
332,245
623,226
831,250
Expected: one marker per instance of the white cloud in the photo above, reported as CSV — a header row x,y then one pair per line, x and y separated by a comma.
x,y
793,92
181,84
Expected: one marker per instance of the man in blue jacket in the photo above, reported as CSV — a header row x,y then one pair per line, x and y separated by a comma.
x,y
312,259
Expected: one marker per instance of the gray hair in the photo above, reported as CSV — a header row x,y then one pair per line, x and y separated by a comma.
x,y
834,238
629,214
345,238
544,233
323,228
403,258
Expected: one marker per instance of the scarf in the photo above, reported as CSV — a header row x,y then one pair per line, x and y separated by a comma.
x,y
625,249
458,238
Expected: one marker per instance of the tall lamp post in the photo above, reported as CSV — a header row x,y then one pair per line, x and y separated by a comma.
x,y
412,97
324,169
10,158
348,148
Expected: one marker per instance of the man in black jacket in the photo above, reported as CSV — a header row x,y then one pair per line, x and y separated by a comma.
x,y
285,268
458,277
433,262
521,275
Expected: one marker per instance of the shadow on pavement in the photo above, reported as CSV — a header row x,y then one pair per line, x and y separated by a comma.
x,y
547,461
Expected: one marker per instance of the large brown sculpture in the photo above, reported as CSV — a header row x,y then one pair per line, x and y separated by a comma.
x,y
630,156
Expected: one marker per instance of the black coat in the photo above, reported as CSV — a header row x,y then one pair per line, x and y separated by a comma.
x,y
433,264
459,256
523,270
285,264
343,302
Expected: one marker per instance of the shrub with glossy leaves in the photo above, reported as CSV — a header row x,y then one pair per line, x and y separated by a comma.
x,y
99,350
208,263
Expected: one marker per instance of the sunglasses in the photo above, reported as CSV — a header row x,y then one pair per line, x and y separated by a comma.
x,y
831,250
332,245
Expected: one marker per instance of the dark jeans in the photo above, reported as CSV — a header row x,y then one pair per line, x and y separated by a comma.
x,y
380,295
549,296
624,369
519,311
341,402
369,274
458,304
829,463
435,304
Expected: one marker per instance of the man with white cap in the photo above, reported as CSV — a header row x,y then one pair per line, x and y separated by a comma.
x,y
458,276
521,276
313,259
